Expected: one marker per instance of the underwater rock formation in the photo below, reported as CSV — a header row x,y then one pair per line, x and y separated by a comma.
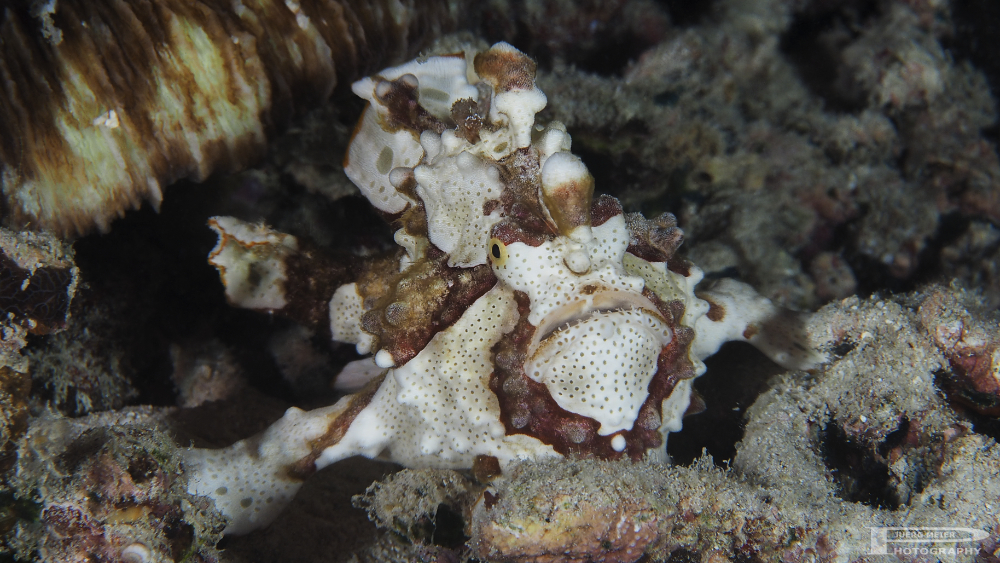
x,y
783,137
105,488
970,340
104,104
14,388
38,280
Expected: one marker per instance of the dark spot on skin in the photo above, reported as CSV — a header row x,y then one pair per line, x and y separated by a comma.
x,y
486,468
508,231
469,118
254,275
679,266
604,208
506,70
404,111
715,312
750,331
490,500
489,206
654,240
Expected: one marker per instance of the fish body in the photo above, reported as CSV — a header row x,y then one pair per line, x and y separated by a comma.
x,y
523,317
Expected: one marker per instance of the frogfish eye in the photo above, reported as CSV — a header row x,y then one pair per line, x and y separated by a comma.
x,y
498,252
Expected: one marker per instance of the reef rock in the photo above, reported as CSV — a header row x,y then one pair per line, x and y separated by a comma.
x,y
37,282
105,487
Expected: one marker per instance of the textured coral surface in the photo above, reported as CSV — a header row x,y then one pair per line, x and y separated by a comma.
x,y
99,488
106,103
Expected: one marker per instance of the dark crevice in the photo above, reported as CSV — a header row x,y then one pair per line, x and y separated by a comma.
x,y
449,528
685,13
951,227
861,471
977,407
151,272
895,438
812,44
736,375
977,24
874,276
985,425
842,349
150,278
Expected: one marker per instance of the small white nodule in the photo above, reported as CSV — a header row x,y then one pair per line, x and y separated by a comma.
x,y
136,553
578,261
618,443
383,359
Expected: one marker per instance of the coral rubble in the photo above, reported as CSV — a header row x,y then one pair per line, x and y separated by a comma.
x,y
38,280
14,388
106,488
789,137
83,368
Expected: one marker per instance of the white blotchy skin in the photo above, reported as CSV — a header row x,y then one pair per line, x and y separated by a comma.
x,y
601,366
248,481
597,337
437,410
454,189
543,274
